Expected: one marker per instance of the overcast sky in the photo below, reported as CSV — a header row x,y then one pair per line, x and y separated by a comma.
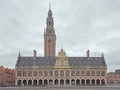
x,y
79,25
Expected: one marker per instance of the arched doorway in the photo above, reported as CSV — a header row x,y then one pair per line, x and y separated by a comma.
x,y
35,82
19,83
93,82
67,82
50,82
88,82
45,82
29,82
61,82
98,82
40,82
77,82
72,82
56,82
83,82
24,82
103,82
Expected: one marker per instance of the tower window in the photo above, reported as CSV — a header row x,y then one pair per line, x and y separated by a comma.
x,y
49,22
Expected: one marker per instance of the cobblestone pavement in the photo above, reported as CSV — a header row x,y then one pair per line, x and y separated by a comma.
x,y
65,88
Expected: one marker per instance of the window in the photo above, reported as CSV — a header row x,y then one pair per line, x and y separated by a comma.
x,y
35,73
45,73
98,73
61,73
49,22
83,73
19,73
29,73
67,73
88,73
92,73
72,72
49,40
24,73
40,73
77,73
56,73
51,73
103,73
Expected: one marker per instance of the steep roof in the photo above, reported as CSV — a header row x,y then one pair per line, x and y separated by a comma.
x,y
50,61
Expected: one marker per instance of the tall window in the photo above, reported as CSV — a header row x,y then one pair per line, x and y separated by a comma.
x,y
45,73
40,73
61,73
56,73
103,73
92,73
51,73
67,73
98,73
19,73
24,73
83,73
35,73
29,73
77,73
88,73
73,73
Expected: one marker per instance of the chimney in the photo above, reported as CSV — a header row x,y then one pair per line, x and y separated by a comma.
x,y
88,54
35,53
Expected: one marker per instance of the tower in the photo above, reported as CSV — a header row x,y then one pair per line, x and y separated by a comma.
x,y
49,36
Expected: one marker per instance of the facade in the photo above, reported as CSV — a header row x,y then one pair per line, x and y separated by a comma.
x,y
113,78
7,76
61,69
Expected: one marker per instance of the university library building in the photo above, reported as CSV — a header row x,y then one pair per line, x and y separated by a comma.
x,y
59,69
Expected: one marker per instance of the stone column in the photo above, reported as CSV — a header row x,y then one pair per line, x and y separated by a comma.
x,y
16,82
53,82
95,82
75,82
90,81
37,82
85,81
32,82
70,82
59,82
100,81
27,82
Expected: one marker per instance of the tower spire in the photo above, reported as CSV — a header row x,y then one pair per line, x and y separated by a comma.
x,y
49,36
49,5
19,54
